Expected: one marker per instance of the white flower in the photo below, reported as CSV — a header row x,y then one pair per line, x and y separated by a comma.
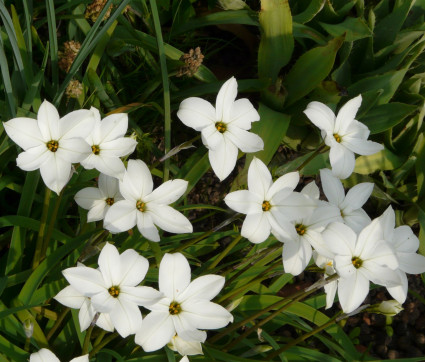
x,y
99,200
108,144
186,307
405,244
72,298
113,288
343,134
185,348
351,204
270,206
359,260
45,355
145,207
328,266
306,232
50,143
224,128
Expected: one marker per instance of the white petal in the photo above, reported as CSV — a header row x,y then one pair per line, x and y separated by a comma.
x,y
368,238
43,355
86,198
244,201
169,219
330,290
316,240
340,238
356,219
344,266
146,226
55,173
352,291
244,140
24,132
223,159
379,274
118,148
361,147
156,331
225,99
281,227
111,166
186,330
70,297
399,292
259,178
286,183
98,211
108,185
73,150
78,123
86,314
205,287
84,358
332,187
346,114
48,121
211,138
321,116
174,275
133,268
243,114
33,158
126,317
103,302
196,113
110,265
256,228
104,322
113,126
387,224
205,315
185,348
323,215
292,207
342,161
168,192
87,281
296,255
137,181
404,240
311,190
144,296
411,263
121,216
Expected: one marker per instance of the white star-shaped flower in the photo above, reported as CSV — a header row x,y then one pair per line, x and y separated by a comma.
x,y
351,204
147,207
51,143
108,144
360,259
343,134
270,206
45,355
186,308
99,200
185,348
224,128
113,288
328,267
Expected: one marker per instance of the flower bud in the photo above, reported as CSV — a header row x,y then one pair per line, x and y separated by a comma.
x,y
388,307
28,328
232,4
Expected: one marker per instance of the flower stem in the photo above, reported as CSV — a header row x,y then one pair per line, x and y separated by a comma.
x,y
103,344
51,224
99,338
166,87
39,244
313,155
224,252
57,323
86,343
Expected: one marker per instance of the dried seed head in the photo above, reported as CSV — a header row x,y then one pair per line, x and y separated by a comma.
x,y
192,61
74,89
94,9
66,58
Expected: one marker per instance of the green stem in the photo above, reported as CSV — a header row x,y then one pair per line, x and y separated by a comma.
x,y
86,343
314,154
166,87
103,344
57,323
99,338
224,252
41,230
156,250
303,337
51,224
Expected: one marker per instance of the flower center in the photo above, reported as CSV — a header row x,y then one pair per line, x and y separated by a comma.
x,y
174,308
266,206
52,145
141,206
357,262
301,229
109,201
114,291
337,137
95,149
221,127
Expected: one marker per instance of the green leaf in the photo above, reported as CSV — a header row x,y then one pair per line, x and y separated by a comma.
x,y
353,28
11,351
310,70
386,116
310,12
383,160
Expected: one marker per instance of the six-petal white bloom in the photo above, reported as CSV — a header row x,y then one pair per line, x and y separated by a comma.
x,y
343,134
51,143
113,288
145,207
224,128
45,355
99,200
108,144
270,206
186,308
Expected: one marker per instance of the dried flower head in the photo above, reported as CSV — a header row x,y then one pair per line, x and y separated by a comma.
x,y
74,89
94,9
192,61
66,58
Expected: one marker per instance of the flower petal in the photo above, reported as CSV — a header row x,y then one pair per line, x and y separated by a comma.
x,y
256,228
169,192
361,147
121,216
205,287
403,240
399,292
85,280
243,114
174,275
55,173
76,124
285,183
342,161
225,99
223,159
86,314
98,211
48,121
146,226
104,322
211,137
411,263
113,126
24,132
111,166
196,113
340,239
259,178
244,201
133,268
73,150
332,187
296,255
33,158
356,219
70,297
110,265
108,185
203,314
156,331
126,317
321,116
352,291
87,197
347,114
292,207
118,148
43,355
169,219
144,296
244,140
137,181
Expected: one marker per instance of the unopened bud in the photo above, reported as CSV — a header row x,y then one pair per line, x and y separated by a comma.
x,y
28,328
389,308
232,4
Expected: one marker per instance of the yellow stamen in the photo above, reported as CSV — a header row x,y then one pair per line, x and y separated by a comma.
x,y
95,149
266,206
141,206
174,308
114,291
52,145
221,127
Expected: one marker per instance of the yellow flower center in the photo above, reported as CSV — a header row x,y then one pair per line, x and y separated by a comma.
x,y
266,206
52,145
221,127
141,206
357,262
109,201
337,137
114,291
301,229
95,149
174,308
